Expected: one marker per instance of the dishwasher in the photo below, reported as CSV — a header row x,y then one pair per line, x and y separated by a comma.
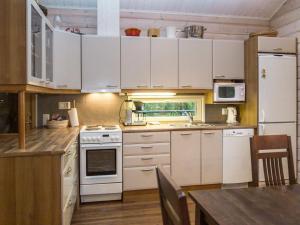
x,y
237,156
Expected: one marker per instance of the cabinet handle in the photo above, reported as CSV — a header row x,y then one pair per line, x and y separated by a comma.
x,y
146,135
185,134
142,86
68,153
220,76
147,170
70,203
149,158
158,86
263,73
186,86
42,82
208,132
111,86
62,86
146,147
277,49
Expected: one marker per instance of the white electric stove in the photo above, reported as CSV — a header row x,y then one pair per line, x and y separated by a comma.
x,y
100,163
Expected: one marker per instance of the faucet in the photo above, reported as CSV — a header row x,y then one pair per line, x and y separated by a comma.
x,y
190,116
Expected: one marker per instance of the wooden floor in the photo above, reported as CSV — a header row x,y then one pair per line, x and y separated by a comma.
x,y
136,209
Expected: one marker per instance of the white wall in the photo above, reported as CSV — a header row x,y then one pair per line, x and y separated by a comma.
x,y
217,27
287,22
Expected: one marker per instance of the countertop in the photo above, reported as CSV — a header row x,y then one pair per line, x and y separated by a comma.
x,y
39,142
178,127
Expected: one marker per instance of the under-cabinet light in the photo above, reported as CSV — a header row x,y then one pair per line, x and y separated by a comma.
x,y
151,94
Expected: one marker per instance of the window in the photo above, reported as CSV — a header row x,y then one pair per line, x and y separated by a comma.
x,y
171,108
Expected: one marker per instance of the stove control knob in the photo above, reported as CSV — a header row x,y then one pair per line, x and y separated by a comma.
x,y
84,139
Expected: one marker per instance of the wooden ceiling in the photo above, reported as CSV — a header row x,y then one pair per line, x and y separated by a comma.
x,y
263,9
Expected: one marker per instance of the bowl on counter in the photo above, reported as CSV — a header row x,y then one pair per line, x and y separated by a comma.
x,y
55,124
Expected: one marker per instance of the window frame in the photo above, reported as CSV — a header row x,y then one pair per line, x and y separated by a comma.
x,y
198,99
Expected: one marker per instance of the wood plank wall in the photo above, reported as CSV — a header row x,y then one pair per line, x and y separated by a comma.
x,y
287,22
217,27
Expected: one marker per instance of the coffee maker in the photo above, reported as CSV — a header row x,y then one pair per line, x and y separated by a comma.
x,y
231,115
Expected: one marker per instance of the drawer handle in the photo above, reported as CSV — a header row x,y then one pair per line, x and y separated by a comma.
x,y
277,49
185,134
149,158
68,153
62,86
146,147
147,135
220,76
186,86
208,132
142,86
70,203
147,170
158,86
111,86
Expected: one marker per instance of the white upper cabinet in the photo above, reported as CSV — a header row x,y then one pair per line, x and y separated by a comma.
x,y
135,62
195,63
228,59
100,63
164,63
67,60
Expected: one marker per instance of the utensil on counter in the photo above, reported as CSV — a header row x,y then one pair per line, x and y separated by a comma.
x,y
194,31
135,32
153,32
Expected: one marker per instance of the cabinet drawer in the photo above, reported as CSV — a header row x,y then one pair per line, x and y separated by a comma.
x,y
141,178
147,160
69,207
276,45
146,137
146,149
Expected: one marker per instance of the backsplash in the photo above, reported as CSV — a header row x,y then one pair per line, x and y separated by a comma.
x,y
98,108
213,113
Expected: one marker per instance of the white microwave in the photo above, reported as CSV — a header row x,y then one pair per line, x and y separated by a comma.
x,y
229,92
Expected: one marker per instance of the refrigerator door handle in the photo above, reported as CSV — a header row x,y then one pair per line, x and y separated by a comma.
x,y
261,129
263,115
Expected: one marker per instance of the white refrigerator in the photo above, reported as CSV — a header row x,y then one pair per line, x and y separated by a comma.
x,y
277,109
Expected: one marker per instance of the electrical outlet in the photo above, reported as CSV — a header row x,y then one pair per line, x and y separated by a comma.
x,y
64,105
224,111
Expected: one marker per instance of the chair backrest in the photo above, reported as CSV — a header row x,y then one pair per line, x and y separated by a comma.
x,y
261,149
172,200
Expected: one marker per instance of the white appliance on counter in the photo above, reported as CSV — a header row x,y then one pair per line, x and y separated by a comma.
x,y
237,156
100,163
229,92
277,108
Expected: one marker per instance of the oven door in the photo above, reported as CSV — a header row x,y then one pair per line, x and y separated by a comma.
x,y
100,163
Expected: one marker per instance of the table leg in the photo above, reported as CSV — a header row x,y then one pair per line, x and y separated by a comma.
x,y
200,217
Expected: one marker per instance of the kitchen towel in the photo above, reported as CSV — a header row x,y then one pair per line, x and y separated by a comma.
x,y
73,116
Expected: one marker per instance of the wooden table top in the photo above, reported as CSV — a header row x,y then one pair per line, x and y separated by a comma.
x,y
39,142
264,206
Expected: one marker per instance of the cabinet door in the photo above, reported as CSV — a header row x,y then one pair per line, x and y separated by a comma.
x,y
100,63
135,62
49,55
277,45
67,60
228,59
211,156
35,46
185,157
164,63
195,63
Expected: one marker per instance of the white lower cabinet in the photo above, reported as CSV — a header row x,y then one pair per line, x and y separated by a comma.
x,y
142,152
186,157
211,156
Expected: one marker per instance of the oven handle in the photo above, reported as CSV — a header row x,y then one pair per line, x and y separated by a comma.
x,y
100,146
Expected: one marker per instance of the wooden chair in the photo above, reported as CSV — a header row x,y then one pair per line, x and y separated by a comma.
x,y
261,149
172,200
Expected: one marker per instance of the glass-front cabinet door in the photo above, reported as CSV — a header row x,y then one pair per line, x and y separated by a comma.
x,y
49,54
36,46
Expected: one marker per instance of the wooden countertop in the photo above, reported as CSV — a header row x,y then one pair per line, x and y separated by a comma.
x,y
39,142
177,127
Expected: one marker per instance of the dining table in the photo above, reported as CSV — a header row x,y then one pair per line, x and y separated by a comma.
x,y
248,206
